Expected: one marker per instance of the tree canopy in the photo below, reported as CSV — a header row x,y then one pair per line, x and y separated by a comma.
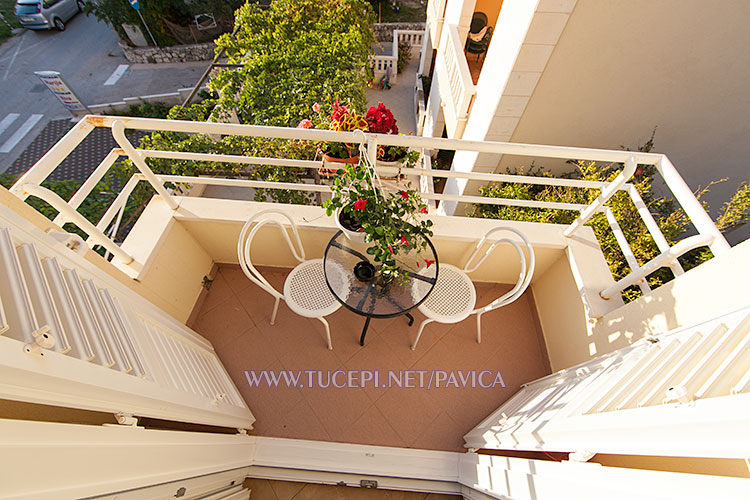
x,y
294,54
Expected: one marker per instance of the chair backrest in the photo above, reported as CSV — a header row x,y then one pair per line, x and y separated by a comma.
x,y
527,265
487,36
478,21
248,232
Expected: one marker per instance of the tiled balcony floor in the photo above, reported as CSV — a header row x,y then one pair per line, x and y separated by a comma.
x,y
234,315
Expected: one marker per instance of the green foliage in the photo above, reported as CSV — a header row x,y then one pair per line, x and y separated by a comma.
x,y
8,19
92,208
296,53
146,110
154,12
404,55
671,220
736,211
226,145
391,220
388,11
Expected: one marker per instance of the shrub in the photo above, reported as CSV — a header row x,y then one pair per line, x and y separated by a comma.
x,y
404,55
669,217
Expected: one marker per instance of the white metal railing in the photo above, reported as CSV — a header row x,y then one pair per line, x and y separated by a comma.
x,y
382,63
708,234
457,89
642,399
79,338
435,19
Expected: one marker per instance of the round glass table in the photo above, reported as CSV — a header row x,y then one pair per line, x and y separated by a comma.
x,y
353,277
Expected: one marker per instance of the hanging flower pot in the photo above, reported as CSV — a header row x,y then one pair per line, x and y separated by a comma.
x,y
348,225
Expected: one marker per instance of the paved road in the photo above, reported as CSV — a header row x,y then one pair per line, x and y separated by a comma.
x,y
87,55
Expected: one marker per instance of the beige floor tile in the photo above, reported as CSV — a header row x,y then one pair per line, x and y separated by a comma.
x,y
371,428
286,490
260,489
224,322
237,324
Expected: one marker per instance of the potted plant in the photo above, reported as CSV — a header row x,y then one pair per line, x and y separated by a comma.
x,y
390,221
342,119
380,120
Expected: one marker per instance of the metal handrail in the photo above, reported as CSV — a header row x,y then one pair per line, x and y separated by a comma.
x,y
71,215
710,235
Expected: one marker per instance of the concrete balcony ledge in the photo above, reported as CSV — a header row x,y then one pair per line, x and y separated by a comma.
x,y
175,249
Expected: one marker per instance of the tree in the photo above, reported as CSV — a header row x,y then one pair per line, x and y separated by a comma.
x,y
296,53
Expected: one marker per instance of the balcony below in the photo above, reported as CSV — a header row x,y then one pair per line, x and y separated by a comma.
x,y
234,315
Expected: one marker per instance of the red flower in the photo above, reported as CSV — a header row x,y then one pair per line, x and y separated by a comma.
x,y
390,248
403,240
423,210
380,120
316,107
429,262
404,194
305,124
359,204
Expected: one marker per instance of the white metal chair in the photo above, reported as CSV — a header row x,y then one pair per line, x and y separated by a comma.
x,y
454,297
305,289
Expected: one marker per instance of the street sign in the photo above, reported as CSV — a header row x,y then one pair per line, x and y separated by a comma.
x,y
135,4
55,83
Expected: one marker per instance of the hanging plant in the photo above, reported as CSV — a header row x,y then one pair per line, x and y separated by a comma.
x,y
392,221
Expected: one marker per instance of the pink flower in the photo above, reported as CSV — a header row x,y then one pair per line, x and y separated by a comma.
x,y
305,124
423,210
404,194
316,107
360,204
403,240
429,262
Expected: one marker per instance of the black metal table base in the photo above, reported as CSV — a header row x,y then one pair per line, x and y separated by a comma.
x,y
367,325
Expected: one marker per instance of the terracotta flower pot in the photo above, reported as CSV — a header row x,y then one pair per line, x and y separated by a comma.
x,y
331,159
328,172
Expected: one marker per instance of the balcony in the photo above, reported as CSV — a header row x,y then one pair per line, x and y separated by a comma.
x,y
572,312
234,316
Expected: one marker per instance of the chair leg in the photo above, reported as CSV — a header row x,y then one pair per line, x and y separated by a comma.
x,y
479,328
328,333
275,310
419,334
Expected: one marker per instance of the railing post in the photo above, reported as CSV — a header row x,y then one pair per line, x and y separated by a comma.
x,y
79,220
52,158
607,193
692,207
118,132
663,259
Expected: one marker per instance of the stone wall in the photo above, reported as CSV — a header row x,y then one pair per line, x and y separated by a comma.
x,y
384,31
175,53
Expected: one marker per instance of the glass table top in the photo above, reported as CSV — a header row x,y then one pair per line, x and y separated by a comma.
x,y
371,297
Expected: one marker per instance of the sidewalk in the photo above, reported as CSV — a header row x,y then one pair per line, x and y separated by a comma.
x,y
400,97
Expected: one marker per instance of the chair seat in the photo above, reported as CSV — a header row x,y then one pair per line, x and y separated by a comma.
x,y
306,292
453,298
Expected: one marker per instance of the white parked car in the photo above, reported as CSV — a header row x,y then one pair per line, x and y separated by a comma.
x,y
47,14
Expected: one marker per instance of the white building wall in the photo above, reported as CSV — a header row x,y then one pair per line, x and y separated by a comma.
x,y
524,38
604,74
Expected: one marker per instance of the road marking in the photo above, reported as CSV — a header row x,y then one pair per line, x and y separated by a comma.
x,y
7,121
13,59
20,133
116,74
